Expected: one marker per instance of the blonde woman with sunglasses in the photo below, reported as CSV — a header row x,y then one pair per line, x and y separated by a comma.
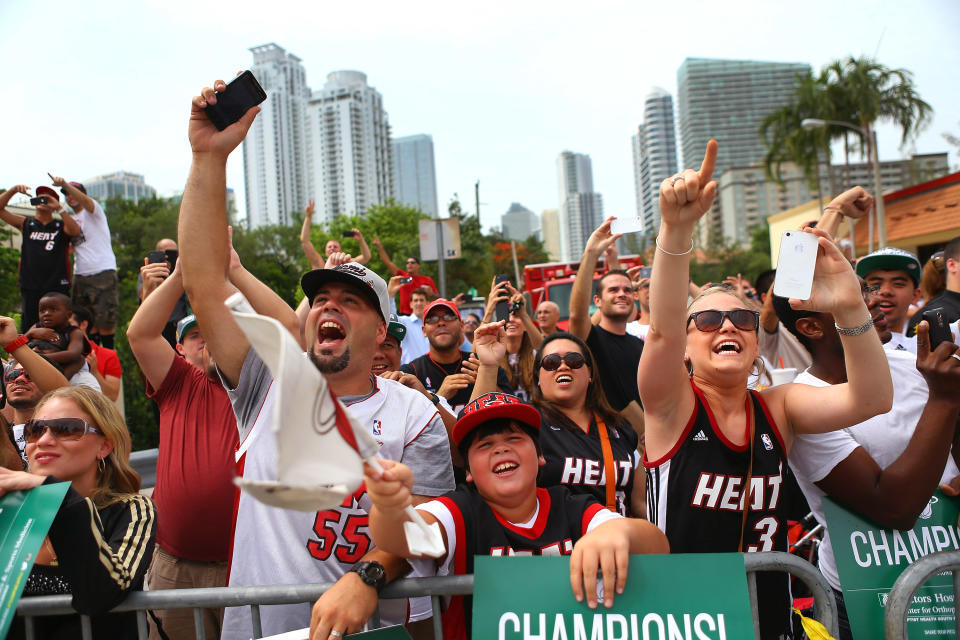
x,y
102,538
708,438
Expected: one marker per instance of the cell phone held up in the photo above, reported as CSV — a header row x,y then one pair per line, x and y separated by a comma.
x,y
503,307
348,234
240,94
796,264
939,326
38,201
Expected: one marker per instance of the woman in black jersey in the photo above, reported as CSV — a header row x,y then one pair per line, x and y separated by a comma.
x,y
584,440
707,437
102,538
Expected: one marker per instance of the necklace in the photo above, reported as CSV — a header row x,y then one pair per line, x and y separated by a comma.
x,y
53,555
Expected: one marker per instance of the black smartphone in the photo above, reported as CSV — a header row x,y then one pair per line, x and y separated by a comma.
x,y
503,307
38,200
407,280
240,94
939,326
348,234
171,255
156,257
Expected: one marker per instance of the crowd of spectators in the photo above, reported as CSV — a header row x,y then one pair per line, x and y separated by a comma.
x,y
635,430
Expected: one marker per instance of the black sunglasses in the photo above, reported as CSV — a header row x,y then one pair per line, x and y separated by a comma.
x,y
13,374
435,318
552,361
712,319
60,428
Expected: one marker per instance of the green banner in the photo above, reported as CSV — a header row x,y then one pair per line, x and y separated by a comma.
x,y
25,518
702,596
870,559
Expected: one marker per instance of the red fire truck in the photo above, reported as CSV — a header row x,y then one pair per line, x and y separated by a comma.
x,y
554,280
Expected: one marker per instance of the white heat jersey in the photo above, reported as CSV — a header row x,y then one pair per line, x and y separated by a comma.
x,y
281,546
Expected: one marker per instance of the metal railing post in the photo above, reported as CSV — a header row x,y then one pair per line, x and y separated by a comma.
x,y
826,604
909,582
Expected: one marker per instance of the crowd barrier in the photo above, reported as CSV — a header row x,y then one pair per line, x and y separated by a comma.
x,y
145,463
436,588
910,581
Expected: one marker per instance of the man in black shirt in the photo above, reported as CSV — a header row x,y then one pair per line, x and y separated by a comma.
x,y
949,298
44,260
441,369
617,352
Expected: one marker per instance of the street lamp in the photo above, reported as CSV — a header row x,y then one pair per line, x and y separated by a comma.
x,y
817,123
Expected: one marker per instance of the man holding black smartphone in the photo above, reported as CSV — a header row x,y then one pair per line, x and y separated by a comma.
x,y
44,259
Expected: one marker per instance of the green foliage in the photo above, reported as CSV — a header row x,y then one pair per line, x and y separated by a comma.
x,y
273,254
728,259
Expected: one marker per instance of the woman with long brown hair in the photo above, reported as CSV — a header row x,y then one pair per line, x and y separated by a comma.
x,y
101,540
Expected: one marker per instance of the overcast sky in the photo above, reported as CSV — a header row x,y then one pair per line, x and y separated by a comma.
x,y
503,87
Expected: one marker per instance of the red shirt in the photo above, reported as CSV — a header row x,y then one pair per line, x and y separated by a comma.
x,y
194,493
108,363
407,289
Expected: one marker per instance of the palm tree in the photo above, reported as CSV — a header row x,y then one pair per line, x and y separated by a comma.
x,y
859,91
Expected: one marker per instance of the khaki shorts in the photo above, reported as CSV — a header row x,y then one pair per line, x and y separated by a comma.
x,y
98,293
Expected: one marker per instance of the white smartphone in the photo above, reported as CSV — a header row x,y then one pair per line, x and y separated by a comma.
x,y
795,266
626,225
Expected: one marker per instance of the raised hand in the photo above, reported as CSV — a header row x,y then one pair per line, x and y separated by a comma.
x,y
836,288
204,136
8,330
57,180
336,259
685,197
853,203
601,238
308,212
488,343
940,368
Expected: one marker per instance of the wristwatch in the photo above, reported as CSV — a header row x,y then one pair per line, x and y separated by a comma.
x,y
434,398
372,573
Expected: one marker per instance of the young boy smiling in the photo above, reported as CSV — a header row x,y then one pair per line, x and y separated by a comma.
x,y
501,512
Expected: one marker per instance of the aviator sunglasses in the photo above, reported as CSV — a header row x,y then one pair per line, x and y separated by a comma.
x,y
69,429
552,362
712,319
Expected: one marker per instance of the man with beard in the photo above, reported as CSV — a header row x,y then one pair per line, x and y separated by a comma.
x,y
346,320
617,352
26,377
194,490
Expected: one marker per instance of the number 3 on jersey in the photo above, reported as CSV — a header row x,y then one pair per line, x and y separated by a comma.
x,y
352,543
768,528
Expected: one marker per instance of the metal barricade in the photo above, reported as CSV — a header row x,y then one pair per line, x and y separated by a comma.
x,y
910,581
145,463
436,588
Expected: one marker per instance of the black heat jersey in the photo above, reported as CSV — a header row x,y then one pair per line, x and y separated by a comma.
x,y
575,459
695,495
432,373
44,262
562,519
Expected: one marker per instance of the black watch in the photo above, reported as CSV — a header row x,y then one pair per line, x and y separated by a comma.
x,y
372,573
434,398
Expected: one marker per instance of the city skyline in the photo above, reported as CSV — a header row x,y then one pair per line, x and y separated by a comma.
x,y
655,155
498,114
415,174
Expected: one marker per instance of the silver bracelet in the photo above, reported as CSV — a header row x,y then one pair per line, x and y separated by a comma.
x,y
670,253
855,331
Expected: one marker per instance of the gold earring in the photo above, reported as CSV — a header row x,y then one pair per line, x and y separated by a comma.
x,y
101,465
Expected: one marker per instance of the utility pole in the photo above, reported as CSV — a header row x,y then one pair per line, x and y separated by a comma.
x,y
476,198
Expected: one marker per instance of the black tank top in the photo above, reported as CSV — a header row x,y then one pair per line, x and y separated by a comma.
x,y
695,495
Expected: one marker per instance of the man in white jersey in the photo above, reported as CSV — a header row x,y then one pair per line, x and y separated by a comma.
x,y
345,323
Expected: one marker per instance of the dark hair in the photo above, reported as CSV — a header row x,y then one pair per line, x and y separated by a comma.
x,y
82,314
763,281
475,317
492,427
952,250
420,292
595,399
789,316
56,295
598,287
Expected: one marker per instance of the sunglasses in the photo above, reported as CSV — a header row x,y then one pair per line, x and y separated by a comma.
x,y
552,362
712,320
63,429
434,319
471,322
13,374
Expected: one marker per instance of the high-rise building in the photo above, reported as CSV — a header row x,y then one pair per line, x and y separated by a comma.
x,y
129,186
550,233
747,198
349,160
414,175
728,100
581,208
274,154
519,223
654,155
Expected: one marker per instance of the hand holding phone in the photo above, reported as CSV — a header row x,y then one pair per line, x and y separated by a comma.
x,y
939,326
796,264
502,311
38,201
240,94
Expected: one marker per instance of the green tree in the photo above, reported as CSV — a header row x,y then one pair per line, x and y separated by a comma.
x,y
859,91
729,258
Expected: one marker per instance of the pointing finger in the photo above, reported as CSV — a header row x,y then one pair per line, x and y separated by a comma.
x,y
709,162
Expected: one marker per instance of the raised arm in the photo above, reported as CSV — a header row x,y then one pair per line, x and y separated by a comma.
x,y
529,328
853,203
394,269
40,371
315,259
145,333
661,376
364,248
12,219
202,233
582,291
86,202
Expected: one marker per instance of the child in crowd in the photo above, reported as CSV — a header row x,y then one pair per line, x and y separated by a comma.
x,y
500,510
69,347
